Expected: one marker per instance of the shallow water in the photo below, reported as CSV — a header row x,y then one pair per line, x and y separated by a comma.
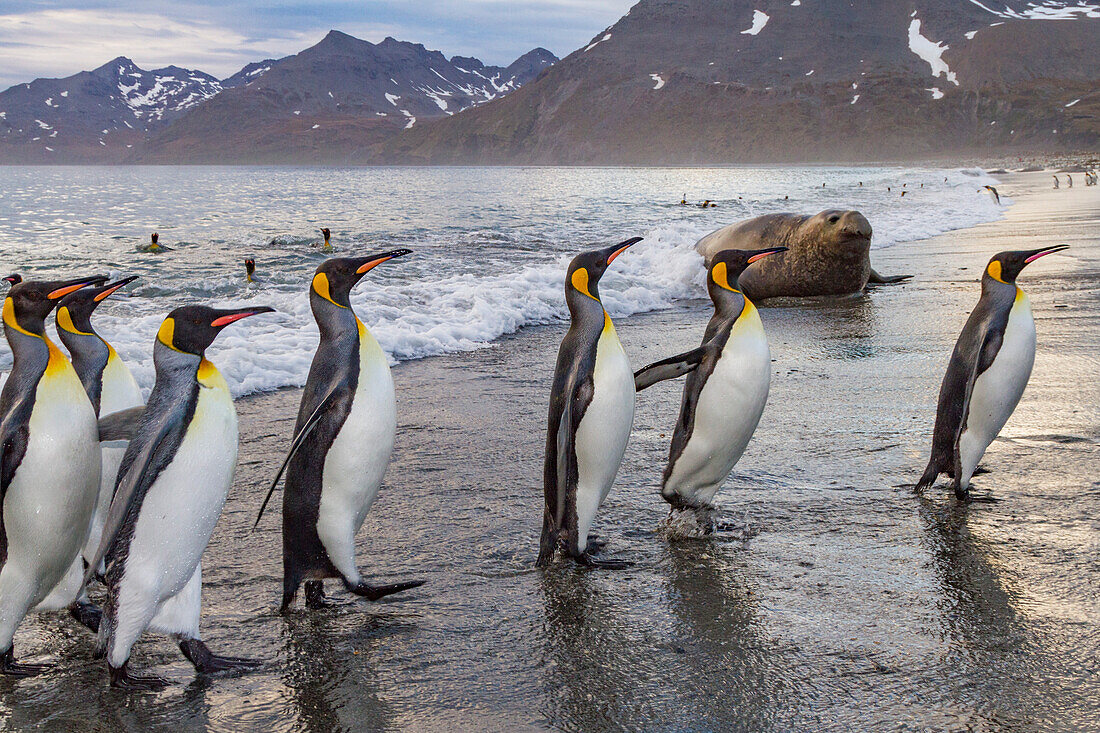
x,y
851,604
489,243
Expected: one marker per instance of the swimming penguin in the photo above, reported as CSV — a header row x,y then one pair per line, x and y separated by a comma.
x,y
13,279
705,204
342,442
170,491
683,200
327,246
903,194
591,413
49,466
154,245
725,392
249,268
996,196
988,371
107,380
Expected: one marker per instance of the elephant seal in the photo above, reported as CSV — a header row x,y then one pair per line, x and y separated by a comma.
x,y
828,254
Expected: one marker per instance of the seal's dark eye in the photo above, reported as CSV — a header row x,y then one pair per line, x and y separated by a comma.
x,y
834,219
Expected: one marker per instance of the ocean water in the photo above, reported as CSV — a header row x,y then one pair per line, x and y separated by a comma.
x,y
490,244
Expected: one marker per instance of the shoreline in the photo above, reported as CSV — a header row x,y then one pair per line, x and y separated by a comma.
x,y
845,601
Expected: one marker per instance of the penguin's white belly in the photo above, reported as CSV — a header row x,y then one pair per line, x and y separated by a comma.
x,y
726,414
49,503
182,506
603,431
998,389
357,460
120,392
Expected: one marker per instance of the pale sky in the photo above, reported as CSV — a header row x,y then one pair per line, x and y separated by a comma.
x,y
52,38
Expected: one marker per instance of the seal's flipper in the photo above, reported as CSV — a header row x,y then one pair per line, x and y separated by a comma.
x,y
120,425
307,428
884,280
670,368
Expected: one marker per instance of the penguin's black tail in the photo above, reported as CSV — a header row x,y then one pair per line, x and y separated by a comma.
x,y
931,473
549,542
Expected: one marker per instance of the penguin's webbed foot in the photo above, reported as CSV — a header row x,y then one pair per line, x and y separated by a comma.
x,y
87,614
122,679
588,561
962,494
315,595
207,662
12,668
375,592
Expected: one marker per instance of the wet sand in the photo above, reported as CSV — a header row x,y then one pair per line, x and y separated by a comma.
x,y
845,601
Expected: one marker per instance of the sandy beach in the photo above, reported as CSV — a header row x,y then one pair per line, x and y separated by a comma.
x,y
844,600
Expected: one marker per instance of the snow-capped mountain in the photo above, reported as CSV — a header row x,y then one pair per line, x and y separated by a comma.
x,y
98,114
727,81
339,93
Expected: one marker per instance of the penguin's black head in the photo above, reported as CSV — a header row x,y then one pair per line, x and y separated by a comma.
x,y
336,277
29,302
1005,266
154,237
727,265
74,311
13,279
249,268
192,328
586,269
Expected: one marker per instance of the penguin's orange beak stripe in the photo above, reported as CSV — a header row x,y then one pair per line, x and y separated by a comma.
x,y
618,252
368,266
109,292
232,318
62,292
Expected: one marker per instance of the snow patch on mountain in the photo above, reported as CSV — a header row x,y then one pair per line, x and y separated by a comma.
x,y
660,82
759,20
931,52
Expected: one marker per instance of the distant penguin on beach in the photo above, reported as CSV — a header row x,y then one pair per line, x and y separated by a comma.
x,y
347,422
591,414
987,373
170,491
1056,181
725,392
996,196
1069,181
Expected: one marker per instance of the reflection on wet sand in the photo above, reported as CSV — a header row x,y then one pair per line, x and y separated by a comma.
x,y
725,647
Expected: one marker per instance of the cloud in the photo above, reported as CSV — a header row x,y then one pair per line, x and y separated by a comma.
x,y
61,37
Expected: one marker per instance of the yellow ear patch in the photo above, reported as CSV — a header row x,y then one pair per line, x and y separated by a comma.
x,y
167,332
9,319
65,321
580,282
321,287
994,270
720,274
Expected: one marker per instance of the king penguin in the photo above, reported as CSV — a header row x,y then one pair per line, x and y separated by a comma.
x,y
170,491
591,414
726,389
13,279
327,246
987,373
342,442
107,380
49,466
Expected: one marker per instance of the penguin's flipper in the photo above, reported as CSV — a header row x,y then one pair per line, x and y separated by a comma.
x,y
986,353
886,280
150,451
670,368
307,428
120,425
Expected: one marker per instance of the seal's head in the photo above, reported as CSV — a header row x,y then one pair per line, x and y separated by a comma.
x,y
842,226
